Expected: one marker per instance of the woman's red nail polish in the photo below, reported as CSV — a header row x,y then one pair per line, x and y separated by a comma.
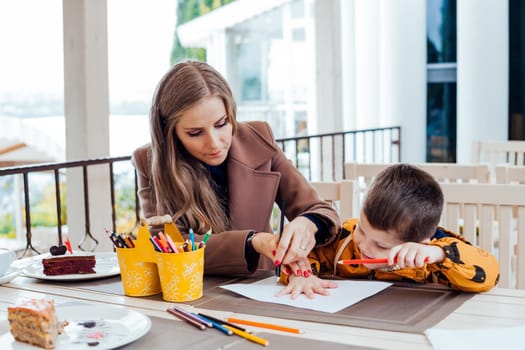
x,y
277,263
273,252
298,272
306,274
287,271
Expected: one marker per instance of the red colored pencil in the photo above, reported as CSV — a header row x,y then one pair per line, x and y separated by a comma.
x,y
362,261
366,261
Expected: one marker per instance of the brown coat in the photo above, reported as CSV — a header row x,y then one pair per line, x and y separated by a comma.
x,y
259,174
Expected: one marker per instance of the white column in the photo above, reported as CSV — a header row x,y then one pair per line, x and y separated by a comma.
x,y
482,84
87,114
402,74
216,51
367,54
348,54
328,65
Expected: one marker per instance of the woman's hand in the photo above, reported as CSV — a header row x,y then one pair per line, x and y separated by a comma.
x,y
308,286
297,240
266,243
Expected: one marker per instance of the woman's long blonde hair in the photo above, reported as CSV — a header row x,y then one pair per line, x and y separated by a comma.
x,y
181,183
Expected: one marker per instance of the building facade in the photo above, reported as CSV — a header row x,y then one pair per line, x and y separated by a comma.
x,y
437,68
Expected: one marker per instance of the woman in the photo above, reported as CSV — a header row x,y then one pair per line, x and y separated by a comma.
x,y
210,172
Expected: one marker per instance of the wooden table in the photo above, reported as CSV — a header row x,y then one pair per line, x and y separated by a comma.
x,y
497,308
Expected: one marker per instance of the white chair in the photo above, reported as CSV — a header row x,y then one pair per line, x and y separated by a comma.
x,y
364,173
497,152
492,216
452,172
343,195
442,172
506,174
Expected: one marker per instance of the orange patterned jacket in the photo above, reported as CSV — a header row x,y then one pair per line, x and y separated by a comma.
x,y
465,268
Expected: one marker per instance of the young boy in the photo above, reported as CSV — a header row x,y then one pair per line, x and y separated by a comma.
x,y
399,222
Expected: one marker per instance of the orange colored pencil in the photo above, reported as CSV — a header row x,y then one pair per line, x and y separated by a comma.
x,y
264,325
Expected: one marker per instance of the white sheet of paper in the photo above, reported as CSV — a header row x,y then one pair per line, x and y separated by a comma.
x,y
477,339
347,293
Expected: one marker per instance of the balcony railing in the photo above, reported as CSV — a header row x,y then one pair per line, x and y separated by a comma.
x,y
318,157
322,157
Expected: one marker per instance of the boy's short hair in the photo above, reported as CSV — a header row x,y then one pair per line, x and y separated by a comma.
x,y
405,199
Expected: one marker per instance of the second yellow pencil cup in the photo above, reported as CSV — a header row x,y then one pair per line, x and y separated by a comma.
x,y
139,278
181,275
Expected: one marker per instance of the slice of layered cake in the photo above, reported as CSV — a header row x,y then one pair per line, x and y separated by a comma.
x,y
35,322
69,264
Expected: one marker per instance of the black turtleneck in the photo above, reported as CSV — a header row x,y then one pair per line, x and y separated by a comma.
x,y
219,177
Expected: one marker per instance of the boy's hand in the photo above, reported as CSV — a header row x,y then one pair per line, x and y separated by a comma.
x,y
411,255
308,286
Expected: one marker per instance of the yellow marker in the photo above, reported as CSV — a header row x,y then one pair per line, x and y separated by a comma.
x,y
248,336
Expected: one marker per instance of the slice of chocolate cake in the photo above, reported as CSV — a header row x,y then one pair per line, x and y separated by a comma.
x,y
69,264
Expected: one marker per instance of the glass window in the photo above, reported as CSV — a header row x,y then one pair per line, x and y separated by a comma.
x,y
441,122
270,66
441,79
517,70
441,31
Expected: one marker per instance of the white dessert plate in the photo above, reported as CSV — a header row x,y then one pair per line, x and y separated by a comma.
x,y
90,327
107,265
9,275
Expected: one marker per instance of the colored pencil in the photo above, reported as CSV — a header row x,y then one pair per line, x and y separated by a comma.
x,y
281,224
155,245
193,316
365,261
264,325
172,244
192,240
362,261
205,239
216,325
222,322
187,319
248,336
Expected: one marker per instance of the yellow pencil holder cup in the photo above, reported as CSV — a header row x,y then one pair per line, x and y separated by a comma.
x,y
145,271
139,277
181,275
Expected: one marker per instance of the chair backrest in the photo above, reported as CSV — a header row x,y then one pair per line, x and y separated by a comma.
x,y
506,174
442,172
491,216
452,172
498,152
364,173
343,195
